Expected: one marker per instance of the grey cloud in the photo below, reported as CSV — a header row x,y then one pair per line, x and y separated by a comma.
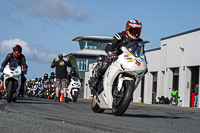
x,y
52,9
37,53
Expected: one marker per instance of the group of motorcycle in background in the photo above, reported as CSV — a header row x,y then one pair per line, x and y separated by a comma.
x,y
45,88
38,87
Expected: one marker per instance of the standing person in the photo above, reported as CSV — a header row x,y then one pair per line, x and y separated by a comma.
x,y
196,91
174,95
61,74
19,58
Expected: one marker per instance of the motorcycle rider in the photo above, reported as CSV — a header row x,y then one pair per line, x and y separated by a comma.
x,y
52,78
72,74
45,79
19,58
174,95
132,33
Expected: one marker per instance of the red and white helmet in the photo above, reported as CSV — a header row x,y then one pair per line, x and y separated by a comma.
x,y
133,29
17,48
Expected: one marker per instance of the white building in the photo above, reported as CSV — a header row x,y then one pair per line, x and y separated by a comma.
x,y
175,65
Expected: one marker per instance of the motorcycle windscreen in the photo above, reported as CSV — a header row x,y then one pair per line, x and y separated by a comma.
x,y
13,66
135,48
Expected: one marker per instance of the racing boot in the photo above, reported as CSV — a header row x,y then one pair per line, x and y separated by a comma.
x,y
21,91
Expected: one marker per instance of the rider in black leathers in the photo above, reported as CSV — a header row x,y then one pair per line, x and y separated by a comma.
x,y
52,78
19,58
132,33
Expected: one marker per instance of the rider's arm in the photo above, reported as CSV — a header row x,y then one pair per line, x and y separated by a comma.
x,y
115,41
8,57
23,62
68,63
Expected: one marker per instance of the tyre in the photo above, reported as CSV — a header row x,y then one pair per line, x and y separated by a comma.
x,y
121,100
95,107
75,96
10,91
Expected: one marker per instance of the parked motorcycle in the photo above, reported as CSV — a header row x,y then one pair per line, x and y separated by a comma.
x,y
116,88
12,81
174,101
73,89
163,100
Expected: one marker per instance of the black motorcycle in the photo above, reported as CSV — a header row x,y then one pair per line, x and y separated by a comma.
x,y
163,100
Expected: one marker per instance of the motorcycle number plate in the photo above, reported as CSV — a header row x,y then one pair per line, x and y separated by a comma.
x,y
129,60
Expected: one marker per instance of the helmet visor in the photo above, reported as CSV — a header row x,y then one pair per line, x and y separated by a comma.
x,y
135,31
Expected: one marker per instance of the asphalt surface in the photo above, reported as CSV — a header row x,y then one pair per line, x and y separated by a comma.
x,y
37,115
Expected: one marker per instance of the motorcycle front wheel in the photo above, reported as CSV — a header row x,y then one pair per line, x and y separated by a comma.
x,y
95,107
10,91
122,99
75,96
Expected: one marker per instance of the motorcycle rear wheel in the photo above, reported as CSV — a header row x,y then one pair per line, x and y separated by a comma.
x,y
95,107
121,104
9,91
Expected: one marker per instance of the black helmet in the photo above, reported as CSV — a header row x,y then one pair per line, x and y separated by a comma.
x,y
45,76
40,79
73,69
17,48
52,73
100,58
36,79
133,29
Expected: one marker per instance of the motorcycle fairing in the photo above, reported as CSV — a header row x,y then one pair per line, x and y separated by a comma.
x,y
14,74
126,63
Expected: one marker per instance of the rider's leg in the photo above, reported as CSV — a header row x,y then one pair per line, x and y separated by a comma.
x,y
64,85
23,80
98,73
95,79
57,89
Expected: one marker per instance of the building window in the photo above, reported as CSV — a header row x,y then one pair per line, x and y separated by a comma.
x,y
93,44
103,45
82,64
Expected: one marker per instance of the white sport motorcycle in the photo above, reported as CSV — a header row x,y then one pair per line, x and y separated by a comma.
x,y
12,81
120,80
73,89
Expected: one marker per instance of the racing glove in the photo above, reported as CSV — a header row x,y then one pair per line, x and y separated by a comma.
x,y
25,71
112,56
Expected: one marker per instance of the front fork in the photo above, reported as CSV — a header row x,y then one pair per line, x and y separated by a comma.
x,y
118,91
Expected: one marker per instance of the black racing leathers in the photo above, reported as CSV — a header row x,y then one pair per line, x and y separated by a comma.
x,y
21,61
119,40
61,68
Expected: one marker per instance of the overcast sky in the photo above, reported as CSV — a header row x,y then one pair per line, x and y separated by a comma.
x,y
45,28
